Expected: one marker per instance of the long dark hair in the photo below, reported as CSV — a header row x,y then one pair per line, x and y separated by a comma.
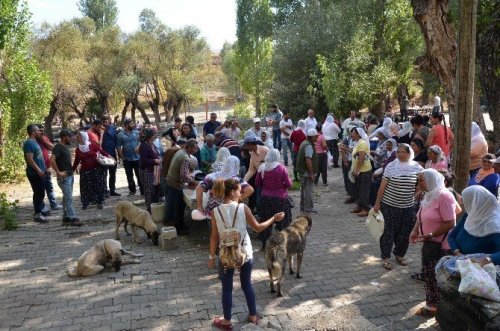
x,y
441,118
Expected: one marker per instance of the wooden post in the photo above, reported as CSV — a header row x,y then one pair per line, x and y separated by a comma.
x,y
206,110
465,91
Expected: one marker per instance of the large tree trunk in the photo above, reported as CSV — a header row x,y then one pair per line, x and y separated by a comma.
x,y
488,55
465,92
54,108
124,110
440,42
104,104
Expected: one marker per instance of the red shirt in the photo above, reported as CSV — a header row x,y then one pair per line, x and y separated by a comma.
x,y
43,143
439,138
88,160
318,145
297,137
93,137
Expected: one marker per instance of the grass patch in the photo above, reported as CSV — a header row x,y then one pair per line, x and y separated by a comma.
x,y
8,213
295,186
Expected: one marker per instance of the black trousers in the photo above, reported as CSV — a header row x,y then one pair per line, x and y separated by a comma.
x,y
323,166
132,167
111,171
38,187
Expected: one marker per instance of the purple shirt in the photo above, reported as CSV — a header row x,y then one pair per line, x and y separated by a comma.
x,y
275,182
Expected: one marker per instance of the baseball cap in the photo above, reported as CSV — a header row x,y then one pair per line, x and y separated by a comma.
x,y
312,133
497,160
256,119
251,139
65,133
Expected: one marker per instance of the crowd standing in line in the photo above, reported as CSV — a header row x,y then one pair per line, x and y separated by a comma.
x,y
381,162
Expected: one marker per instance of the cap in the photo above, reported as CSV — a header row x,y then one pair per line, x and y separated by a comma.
x,y
256,119
180,142
127,121
497,160
251,139
312,133
66,133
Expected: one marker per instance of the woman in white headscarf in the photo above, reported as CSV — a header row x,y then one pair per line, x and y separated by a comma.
x,y
395,198
266,139
331,132
361,169
435,218
404,135
385,128
274,182
437,159
92,183
297,138
230,169
222,155
478,149
479,229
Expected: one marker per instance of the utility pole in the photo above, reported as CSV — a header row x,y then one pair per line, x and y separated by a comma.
x,y
465,91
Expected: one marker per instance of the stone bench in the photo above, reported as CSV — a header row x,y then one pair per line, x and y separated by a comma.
x,y
456,312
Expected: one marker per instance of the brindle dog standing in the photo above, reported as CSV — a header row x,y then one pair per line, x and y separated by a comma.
x,y
282,245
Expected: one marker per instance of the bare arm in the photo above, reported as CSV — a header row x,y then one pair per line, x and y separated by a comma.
x,y
246,192
53,163
380,194
359,164
31,162
199,198
430,138
259,227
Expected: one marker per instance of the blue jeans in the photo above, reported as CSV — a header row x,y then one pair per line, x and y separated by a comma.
x,y
49,189
277,139
66,186
246,286
286,144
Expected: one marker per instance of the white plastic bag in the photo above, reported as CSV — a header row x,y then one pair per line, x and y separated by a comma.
x,y
375,223
477,280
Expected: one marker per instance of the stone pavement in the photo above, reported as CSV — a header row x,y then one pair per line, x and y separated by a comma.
x,y
343,287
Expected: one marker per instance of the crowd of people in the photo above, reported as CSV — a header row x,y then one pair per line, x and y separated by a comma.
x,y
400,170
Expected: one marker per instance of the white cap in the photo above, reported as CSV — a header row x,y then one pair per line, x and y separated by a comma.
x,y
497,160
256,119
312,132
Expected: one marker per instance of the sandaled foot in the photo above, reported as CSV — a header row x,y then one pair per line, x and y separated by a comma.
x,y
402,261
417,276
387,265
218,323
255,319
426,312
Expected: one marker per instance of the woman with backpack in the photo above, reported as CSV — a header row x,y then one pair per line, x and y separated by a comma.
x,y
226,218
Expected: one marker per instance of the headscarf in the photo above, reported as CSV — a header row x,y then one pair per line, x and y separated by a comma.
x,y
222,154
302,125
394,146
483,211
407,128
329,119
363,135
394,129
230,169
437,150
435,184
86,143
271,161
385,128
477,137
399,168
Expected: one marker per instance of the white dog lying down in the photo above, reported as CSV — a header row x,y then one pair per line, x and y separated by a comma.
x,y
95,259
126,212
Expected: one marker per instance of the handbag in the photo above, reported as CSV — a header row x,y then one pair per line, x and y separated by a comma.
x,y
431,250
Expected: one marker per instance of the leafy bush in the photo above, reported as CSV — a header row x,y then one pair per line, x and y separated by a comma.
x,y
295,186
8,212
243,110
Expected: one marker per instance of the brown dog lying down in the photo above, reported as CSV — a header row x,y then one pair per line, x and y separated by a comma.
x,y
282,245
94,260
126,212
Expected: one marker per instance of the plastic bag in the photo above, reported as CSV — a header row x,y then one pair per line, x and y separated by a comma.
x,y
375,223
477,280
105,161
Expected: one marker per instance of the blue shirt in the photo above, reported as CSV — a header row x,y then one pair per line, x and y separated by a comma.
x,y
31,146
468,244
209,127
490,182
128,141
109,140
276,116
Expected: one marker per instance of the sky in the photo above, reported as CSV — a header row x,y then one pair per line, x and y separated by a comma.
x,y
216,19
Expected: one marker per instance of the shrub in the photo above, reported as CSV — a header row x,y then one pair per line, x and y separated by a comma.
x,y
8,212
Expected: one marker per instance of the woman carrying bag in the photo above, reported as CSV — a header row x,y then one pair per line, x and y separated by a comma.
x,y
435,218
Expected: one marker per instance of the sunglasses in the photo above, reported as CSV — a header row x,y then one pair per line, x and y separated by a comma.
x,y
487,160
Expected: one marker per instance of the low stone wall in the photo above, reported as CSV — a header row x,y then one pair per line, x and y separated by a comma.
x,y
457,313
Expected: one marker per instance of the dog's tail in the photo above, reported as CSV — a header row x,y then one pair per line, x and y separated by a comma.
x,y
72,272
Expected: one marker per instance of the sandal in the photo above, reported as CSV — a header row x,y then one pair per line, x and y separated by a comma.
x,y
387,265
257,320
402,261
426,312
218,324
417,276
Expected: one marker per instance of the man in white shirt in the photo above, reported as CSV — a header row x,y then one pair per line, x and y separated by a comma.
x,y
286,127
256,130
232,129
310,120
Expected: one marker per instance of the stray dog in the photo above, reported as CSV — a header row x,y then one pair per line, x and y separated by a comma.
x,y
282,245
126,212
94,260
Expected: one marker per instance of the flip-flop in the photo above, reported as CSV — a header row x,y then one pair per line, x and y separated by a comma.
x,y
402,261
387,265
424,312
218,324
257,320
